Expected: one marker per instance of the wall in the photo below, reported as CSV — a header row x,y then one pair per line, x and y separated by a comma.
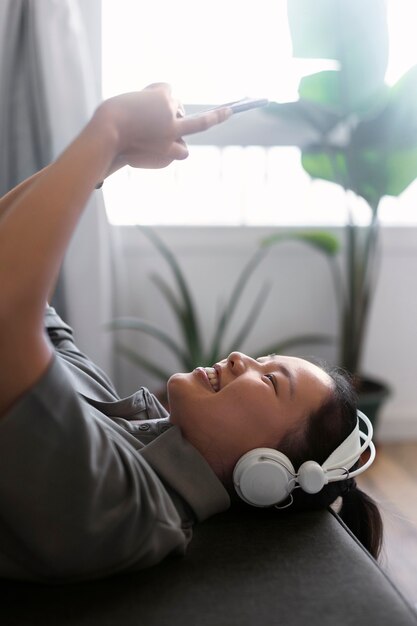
x,y
301,300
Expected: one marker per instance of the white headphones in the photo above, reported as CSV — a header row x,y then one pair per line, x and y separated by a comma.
x,y
266,477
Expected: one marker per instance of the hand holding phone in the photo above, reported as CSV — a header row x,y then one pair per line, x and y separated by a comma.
x,y
237,106
203,120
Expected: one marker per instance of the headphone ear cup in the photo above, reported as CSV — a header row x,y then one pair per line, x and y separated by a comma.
x,y
264,477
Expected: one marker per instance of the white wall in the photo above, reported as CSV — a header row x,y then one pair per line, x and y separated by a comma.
x,y
302,300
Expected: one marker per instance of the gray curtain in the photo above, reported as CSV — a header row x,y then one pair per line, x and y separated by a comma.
x,y
49,87
25,134
25,144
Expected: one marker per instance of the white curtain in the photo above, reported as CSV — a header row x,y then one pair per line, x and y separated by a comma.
x,y
64,49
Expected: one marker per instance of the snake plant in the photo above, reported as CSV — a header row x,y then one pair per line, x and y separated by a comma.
x,y
190,349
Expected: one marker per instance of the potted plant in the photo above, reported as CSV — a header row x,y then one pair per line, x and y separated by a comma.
x,y
355,131
192,350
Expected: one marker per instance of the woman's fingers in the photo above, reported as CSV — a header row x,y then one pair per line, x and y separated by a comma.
x,y
178,150
165,86
203,121
190,125
180,110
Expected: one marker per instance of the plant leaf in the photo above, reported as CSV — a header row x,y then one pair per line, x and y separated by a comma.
x,y
168,294
134,323
327,163
352,32
322,88
320,240
384,147
394,125
189,318
301,123
140,361
284,345
233,301
250,319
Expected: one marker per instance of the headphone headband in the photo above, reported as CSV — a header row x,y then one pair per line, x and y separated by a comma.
x,y
266,477
350,450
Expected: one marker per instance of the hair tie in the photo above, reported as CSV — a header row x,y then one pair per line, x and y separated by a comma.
x,y
346,486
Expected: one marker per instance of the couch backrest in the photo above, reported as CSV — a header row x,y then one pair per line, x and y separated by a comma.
x,y
298,570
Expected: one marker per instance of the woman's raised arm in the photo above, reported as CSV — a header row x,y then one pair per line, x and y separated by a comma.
x,y
142,129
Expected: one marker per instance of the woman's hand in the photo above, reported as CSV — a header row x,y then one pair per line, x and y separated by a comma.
x,y
149,126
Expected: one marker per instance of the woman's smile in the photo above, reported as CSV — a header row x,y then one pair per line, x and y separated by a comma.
x,y
212,375
206,379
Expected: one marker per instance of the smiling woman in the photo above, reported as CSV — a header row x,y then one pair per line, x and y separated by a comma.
x,y
250,404
116,484
278,403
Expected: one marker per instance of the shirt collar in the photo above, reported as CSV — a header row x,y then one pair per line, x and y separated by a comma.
x,y
185,470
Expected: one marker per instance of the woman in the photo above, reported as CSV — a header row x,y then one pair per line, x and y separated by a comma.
x,y
92,484
279,402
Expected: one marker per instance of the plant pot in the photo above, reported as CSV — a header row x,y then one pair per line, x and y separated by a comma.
x,y
372,394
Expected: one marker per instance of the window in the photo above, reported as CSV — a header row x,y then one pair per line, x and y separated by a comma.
x,y
214,53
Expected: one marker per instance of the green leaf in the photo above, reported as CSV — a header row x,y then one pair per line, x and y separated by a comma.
x,y
323,88
393,126
189,322
191,356
134,323
352,32
327,164
234,299
140,361
400,170
312,26
383,151
301,123
168,294
292,342
250,319
321,240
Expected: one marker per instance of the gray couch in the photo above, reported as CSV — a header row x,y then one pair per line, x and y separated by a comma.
x,y
304,569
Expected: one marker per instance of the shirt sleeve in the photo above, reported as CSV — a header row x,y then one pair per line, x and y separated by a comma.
x,y
77,498
96,383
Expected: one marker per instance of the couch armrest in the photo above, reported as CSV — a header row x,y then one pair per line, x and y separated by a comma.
x,y
296,570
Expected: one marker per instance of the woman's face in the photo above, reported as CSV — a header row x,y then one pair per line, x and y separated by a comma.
x,y
242,403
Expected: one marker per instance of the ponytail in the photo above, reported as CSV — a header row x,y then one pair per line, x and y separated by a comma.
x,y
361,515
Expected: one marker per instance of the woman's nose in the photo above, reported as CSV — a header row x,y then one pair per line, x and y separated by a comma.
x,y
237,362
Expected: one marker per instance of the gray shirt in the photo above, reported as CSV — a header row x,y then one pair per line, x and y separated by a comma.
x,y
90,483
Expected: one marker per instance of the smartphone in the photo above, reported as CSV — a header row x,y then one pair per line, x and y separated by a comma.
x,y
238,106
246,104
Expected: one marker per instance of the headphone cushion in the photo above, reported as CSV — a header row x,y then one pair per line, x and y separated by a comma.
x,y
264,477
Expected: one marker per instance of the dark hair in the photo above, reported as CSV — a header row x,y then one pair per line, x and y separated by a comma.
x,y
315,440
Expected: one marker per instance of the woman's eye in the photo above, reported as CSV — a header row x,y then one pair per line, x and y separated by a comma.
x,y
273,382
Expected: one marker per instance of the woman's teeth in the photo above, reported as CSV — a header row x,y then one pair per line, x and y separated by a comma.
x,y
213,378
